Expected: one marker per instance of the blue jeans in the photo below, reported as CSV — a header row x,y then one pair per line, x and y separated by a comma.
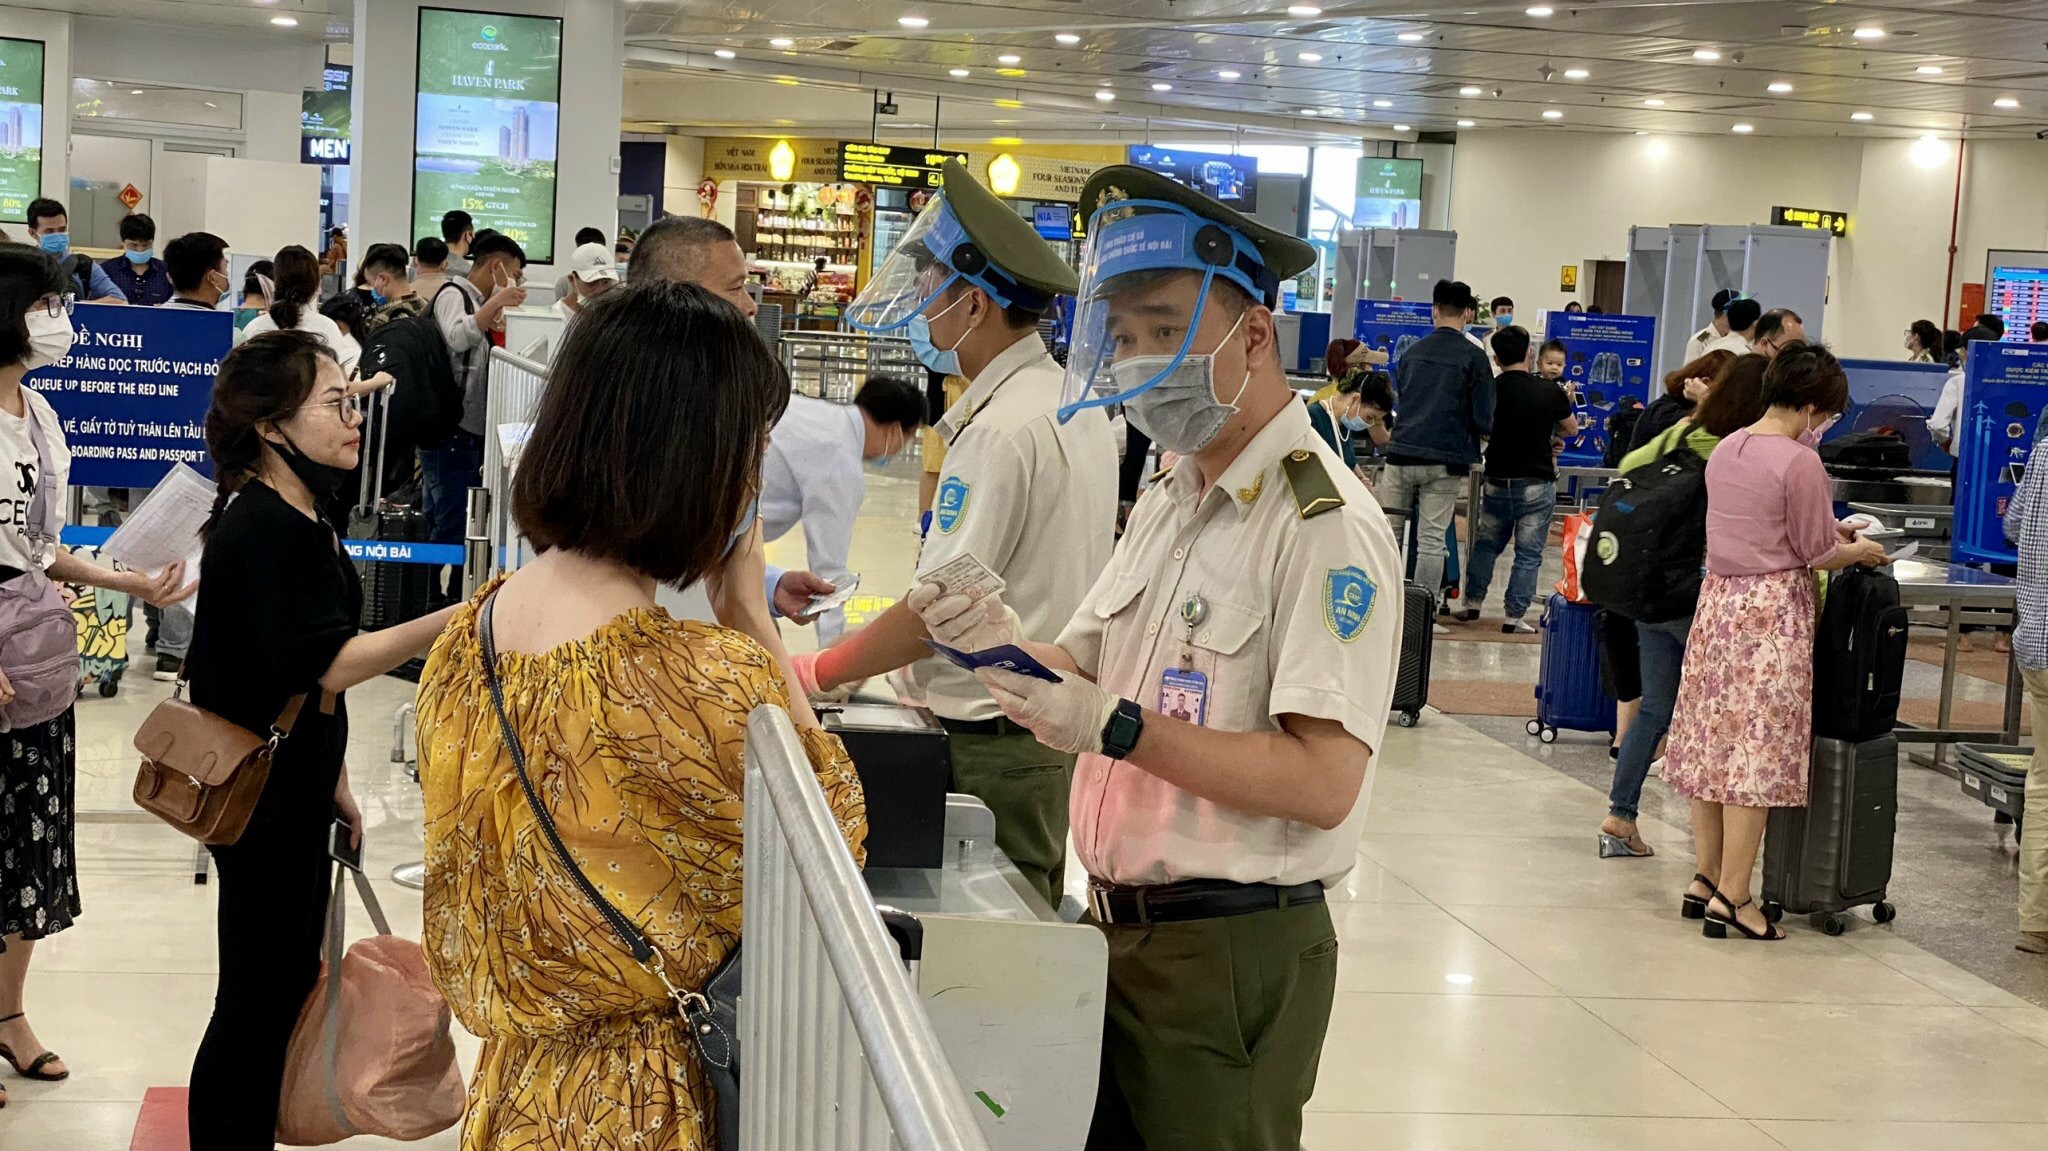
x,y
447,472
1522,509
1663,659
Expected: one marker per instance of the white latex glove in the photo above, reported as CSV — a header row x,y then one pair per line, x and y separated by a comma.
x,y
1065,716
804,665
964,622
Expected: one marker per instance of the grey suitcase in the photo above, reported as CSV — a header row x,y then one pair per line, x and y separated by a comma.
x,y
1836,852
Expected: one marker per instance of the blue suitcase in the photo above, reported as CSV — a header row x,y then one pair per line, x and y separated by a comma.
x,y
1568,692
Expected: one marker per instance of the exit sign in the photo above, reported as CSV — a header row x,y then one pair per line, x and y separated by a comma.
x,y
1816,219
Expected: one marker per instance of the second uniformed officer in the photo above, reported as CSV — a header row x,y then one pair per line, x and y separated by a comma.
x,y
1033,499
1257,592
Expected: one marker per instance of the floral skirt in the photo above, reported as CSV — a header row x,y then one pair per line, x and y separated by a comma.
x,y
1742,730
38,874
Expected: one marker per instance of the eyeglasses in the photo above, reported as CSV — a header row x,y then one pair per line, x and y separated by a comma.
x,y
57,305
347,409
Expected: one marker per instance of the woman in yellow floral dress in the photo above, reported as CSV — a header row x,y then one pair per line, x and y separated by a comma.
x,y
646,447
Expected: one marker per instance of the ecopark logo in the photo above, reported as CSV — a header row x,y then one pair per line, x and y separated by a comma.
x,y
488,41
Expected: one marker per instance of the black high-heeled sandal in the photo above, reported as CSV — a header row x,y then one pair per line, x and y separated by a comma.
x,y
1692,906
34,1070
1716,927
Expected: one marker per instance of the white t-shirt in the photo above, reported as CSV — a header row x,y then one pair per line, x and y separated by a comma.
x,y
345,347
20,473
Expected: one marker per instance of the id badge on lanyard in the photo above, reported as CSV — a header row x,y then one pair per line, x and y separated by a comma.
x,y
1183,691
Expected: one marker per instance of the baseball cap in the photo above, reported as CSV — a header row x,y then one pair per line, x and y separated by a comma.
x,y
1723,298
1454,294
593,262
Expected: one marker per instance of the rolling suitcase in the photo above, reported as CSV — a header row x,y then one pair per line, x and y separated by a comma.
x,y
1418,643
392,592
103,619
1836,852
1568,692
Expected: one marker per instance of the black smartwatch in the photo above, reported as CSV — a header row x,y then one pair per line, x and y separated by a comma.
x,y
1121,733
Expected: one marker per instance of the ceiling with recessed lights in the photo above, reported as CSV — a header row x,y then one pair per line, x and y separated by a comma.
x,y
1784,69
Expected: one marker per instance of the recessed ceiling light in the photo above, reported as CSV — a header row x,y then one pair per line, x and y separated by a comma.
x,y
1305,11
1552,114
1576,73
1104,95
1470,90
1067,38
1653,102
913,21
211,104
1227,75
1310,57
1333,111
1778,86
285,21
1705,54
1868,32
1743,129
956,72
1308,111
1382,103
2005,102
1009,58
1468,123
1539,11
1860,116
1927,70
135,91
1402,128
1410,37
782,42
1162,87
724,53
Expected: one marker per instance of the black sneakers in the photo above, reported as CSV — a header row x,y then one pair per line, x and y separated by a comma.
x,y
168,667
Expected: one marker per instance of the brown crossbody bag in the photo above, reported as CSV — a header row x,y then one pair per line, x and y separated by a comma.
x,y
202,774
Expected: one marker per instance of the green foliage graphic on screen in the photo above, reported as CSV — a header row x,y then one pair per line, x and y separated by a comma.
x,y
21,126
485,134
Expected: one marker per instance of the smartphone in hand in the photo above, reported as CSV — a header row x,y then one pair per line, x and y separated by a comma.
x,y
337,845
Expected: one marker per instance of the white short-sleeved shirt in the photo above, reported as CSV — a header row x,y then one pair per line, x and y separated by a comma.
x,y
1028,496
310,320
813,476
1733,342
20,475
1303,618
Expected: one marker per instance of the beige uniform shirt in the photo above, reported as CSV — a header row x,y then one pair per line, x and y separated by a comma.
x,y
1030,497
1304,618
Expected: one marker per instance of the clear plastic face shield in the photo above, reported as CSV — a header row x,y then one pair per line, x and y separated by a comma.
x,y
934,254
1145,287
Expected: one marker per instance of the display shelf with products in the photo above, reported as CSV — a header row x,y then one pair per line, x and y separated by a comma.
x,y
797,223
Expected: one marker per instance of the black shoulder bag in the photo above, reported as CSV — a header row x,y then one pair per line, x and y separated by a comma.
x,y
713,1013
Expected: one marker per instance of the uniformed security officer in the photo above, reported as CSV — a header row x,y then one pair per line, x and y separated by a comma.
x,y
1257,589
1031,498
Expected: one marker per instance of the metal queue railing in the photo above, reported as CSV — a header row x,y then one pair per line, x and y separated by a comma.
x,y
838,1052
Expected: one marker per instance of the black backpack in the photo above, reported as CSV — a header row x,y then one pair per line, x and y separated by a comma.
x,y
1621,429
426,397
1650,539
77,268
1880,449
1859,656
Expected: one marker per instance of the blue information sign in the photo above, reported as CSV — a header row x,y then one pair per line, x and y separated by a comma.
x,y
1607,359
132,394
2005,386
1391,325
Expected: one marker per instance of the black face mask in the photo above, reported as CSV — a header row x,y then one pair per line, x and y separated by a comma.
x,y
325,481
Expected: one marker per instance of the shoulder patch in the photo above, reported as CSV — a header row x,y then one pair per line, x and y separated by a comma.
x,y
949,507
1348,595
1314,491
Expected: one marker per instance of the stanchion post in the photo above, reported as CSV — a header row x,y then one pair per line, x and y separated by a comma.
x,y
476,542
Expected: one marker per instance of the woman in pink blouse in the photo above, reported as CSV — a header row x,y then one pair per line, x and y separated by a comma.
x,y
1742,729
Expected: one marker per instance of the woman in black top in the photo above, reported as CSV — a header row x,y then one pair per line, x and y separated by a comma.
x,y
278,605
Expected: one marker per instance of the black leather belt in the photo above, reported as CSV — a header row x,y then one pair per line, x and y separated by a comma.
x,y
1193,899
1000,725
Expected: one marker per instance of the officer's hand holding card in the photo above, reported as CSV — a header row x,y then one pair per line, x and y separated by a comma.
x,y
961,606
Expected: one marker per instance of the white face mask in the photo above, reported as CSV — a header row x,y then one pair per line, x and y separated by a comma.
x,y
1181,412
49,338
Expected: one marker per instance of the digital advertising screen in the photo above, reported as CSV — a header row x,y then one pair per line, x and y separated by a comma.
x,y
1389,194
21,126
324,117
1232,180
487,124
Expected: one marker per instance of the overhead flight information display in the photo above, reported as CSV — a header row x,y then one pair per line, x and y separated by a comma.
x,y
2019,296
487,124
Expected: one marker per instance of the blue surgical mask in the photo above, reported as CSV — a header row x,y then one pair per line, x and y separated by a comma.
x,y
1503,319
945,361
142,257
1354,424
739,533
378,299
56,243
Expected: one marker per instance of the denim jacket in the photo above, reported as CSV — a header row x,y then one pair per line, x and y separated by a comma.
x,y
1443,388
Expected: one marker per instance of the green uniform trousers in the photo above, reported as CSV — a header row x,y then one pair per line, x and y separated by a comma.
x,y
1214,1030
1025,784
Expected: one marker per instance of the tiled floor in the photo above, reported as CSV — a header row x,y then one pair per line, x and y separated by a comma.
x,y
1499,986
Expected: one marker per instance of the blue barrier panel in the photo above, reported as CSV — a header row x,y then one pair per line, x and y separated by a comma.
x,y
1391,325
1607,358
2005,387
376,551
132,394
